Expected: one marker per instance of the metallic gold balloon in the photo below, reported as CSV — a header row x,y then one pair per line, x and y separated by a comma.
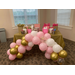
x,y
19,55
13,51
16,46
63,53
54,56
24,42
23,38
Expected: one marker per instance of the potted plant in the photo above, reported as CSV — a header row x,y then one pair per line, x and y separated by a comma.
x,y
20,27
29,29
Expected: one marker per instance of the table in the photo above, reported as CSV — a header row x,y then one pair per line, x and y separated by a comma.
x,y
57,37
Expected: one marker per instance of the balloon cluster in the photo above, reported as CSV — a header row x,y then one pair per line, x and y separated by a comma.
x,y
46,44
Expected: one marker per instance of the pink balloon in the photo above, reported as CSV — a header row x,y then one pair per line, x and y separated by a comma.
x,y
40,34
36,40
21,49
47,36
49,50
8,52
28,37
43,46
12,45
28,48
18,42
12,57
47,55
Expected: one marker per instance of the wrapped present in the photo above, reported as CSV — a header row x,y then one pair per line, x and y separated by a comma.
x,y
36,26
51,30
55,26
36,29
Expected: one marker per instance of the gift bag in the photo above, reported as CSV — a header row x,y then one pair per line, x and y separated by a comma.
x,y
55,26
45,30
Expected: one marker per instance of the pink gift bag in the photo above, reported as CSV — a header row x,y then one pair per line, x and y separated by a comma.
x,y
29,30
45,31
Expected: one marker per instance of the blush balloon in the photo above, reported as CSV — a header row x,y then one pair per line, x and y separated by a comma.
x,y
47,55
49,50
28,48
43,46
8,52
12,57
12,45
28,37
40,34
36,40
47,35
21,49
18,42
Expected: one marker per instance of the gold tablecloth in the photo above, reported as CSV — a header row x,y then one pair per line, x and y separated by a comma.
x,y
57,37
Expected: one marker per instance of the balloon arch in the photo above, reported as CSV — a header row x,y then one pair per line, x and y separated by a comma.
x,y
46,43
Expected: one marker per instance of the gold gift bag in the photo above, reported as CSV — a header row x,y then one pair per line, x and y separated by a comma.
x,y
20,27
55,26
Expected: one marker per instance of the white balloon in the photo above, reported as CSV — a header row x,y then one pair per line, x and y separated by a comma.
x,y
50,42
57,48
30,44
34,33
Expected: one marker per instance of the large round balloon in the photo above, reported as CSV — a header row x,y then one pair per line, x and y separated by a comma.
x,y
47,36
18,42
12,45
40,34
47,55
19,55
30,44
50,42
21,49
12,57
36,40
34,33
24,42
43,46
49,50
57,48
28,37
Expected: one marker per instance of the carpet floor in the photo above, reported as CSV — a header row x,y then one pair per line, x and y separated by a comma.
x,y
35,56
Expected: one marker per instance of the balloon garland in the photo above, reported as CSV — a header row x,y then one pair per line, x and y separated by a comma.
x,y
46,43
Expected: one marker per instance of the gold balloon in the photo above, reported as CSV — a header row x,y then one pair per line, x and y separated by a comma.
x,y
16,46
23,38
63,53
19,55
24,42
54,56
13,51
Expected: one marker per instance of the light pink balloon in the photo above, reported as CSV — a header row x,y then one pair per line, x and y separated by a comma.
x,y
36,40
8,52
13,44
21,49
12,57
28,37
47,36
47,55
28,48
18,42
43,46
49,50
40,34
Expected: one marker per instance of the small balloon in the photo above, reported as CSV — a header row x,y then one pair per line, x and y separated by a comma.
x,y
40,34
47,36
13,51
12,57
19,55
24,42
34,33
54,56
30,44
16,46
18,42
12,45
23,38
47,55
28,48
49,50
21,49
63,53
8,52
28,37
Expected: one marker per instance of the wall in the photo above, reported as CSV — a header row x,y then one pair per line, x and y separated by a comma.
x,y
67,33
5,21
